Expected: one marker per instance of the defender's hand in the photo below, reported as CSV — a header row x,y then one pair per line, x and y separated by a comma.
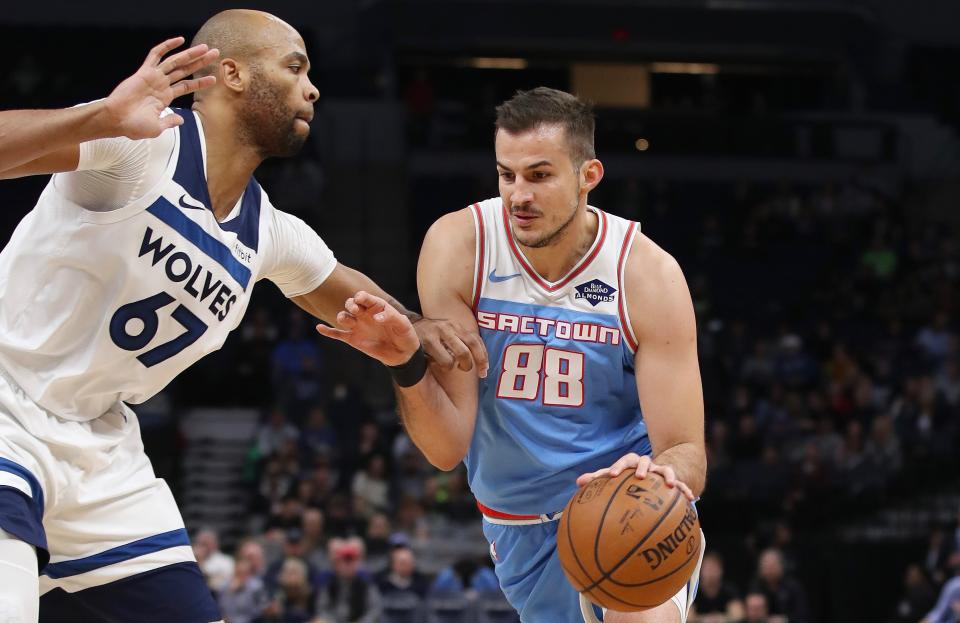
x,y
135,105
375,328
447,345
642,465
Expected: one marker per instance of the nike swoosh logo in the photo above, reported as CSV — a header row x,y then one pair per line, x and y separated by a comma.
x,y
497,278
184,204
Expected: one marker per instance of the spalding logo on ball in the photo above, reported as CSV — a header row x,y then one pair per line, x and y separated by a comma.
x,y
629,544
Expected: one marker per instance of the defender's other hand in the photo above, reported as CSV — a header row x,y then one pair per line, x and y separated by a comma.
x,y
135,105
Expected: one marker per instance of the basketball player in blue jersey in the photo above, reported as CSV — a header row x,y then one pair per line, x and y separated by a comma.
x,y
138,259
592,342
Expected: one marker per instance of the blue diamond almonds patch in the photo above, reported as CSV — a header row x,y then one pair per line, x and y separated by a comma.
x,y
596,292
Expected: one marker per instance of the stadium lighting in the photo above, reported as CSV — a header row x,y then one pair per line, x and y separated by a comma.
x,y
685,68
487,62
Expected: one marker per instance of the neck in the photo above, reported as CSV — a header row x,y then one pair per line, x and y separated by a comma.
x,y
556,259
230,160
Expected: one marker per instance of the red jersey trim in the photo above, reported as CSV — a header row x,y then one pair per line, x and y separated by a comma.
x,y
489,512
624,324
481,252
579,268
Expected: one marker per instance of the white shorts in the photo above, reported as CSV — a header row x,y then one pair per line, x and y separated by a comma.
x,y
105,515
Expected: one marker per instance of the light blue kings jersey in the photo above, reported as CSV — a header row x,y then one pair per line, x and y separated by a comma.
x,y
560,398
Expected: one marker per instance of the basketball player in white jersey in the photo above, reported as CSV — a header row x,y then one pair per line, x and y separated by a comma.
x,y
586,320
138,259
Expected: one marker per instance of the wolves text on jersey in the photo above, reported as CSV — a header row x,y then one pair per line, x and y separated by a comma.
x,y
181,268
548,327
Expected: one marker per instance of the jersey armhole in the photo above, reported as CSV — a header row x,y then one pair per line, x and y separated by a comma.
x,y
479,254
622,306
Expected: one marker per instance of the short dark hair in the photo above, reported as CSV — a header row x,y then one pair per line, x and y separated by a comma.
x,y
527,110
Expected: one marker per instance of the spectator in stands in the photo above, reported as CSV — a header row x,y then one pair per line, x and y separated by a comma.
x,y
411,473
883,447
402,577
217,567
341,520
371,493
275,484
466,578
718,601
319,438
918,596
258,335
323,478
294,547
377,540
288,515
935,338
293,599
784,594
757,610
251,551
411,519
295,352
242,598
760,366
348,597
275,432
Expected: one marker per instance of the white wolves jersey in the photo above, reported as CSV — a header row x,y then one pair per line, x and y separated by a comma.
x,y
561,397
101,306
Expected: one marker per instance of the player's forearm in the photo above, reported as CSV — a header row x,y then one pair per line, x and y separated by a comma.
x,y
434,423
26,135
689,462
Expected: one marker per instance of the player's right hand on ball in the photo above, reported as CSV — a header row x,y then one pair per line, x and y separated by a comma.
x,y
134,107
641,466
375,328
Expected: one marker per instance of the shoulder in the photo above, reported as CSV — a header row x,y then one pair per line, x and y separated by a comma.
x,y
448,256
452,231
656,289
650,269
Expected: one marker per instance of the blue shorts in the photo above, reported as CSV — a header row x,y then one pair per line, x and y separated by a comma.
x,y
173,593
528,567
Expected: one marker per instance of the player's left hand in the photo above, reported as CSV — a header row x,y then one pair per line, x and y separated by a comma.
x,y
641,465
448,345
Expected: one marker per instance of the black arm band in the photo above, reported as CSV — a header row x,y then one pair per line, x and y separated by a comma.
x,y
410,373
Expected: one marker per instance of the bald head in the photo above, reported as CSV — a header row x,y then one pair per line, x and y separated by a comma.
x,y
263,92
241,34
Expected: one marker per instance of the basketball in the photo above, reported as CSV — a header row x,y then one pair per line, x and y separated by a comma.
x,y
629,544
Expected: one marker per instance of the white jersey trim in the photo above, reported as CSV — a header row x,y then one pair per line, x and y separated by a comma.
x,y
553,286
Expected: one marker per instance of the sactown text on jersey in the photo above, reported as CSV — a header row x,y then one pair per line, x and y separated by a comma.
x,y
544,327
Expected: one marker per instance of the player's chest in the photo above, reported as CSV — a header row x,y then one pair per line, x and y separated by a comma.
x,y
180,256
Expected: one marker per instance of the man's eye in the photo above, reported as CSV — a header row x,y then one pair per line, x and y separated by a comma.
x,y
295,68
